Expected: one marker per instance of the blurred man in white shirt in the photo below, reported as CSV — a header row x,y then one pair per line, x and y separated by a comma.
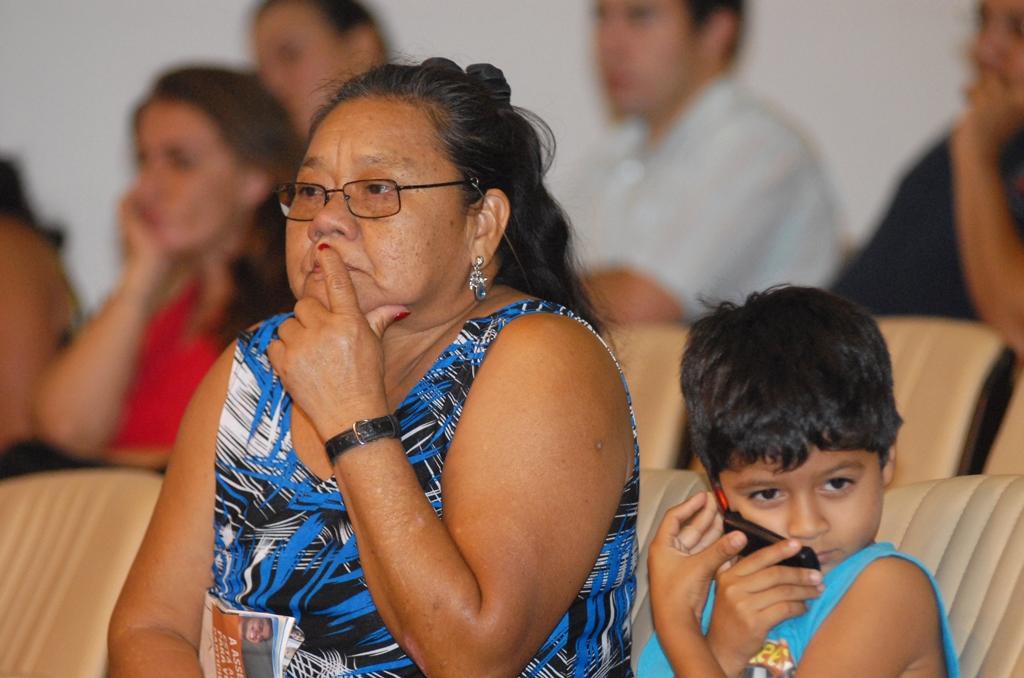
x,y
701,193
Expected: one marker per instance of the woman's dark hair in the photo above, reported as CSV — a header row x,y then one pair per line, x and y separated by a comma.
x,y
258,131
14,203
500,146
790,368
344,15
701,10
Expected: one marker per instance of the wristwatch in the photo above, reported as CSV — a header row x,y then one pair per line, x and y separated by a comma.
x,y
362,432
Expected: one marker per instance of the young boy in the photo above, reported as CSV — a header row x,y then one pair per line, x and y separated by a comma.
x,y
790,404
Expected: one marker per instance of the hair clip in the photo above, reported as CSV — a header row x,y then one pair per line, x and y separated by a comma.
x,y
493,80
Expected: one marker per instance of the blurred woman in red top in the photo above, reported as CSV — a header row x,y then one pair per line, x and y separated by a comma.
x,y
203,243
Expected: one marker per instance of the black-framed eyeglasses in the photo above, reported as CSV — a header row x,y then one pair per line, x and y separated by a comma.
x,y
365,198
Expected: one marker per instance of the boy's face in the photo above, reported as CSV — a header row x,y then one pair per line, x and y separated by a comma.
x,y
831,503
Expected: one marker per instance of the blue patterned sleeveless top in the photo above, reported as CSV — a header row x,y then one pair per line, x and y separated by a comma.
x,y
284,542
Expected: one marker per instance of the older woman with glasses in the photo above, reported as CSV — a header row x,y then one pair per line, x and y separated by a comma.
x,y
430,465
202,243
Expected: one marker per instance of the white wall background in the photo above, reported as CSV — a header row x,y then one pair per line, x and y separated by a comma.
x,y
871,82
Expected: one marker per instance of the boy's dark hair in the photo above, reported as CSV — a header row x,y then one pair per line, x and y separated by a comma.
x,y
790,368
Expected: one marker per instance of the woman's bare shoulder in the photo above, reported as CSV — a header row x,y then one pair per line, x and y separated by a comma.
x,y
15,231
25,248
555,335
550,365
32,276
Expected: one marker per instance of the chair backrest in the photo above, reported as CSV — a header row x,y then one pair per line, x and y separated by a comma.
x,y
1007,454
650,355
969,531
940,370
67,539
660,489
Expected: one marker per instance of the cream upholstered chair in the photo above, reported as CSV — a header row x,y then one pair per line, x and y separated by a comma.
x,y
660,489
941,368
650,355
67,539
969,531
1007,453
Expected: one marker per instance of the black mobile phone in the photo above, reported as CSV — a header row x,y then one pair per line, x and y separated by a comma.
x,y
758,537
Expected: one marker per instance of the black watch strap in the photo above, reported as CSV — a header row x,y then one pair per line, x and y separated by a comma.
x,y
362,432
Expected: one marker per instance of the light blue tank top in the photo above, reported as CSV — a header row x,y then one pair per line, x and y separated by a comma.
x,y
785,644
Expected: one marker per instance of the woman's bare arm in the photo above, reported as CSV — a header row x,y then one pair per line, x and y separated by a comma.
x,y
991,249
79,401
155,627
36,313
531,483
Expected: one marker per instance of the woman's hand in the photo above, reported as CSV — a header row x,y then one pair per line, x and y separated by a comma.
x,y
141,238
158,235
754,595
329,357
995,112
147,260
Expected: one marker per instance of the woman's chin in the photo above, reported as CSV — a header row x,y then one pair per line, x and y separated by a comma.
x,y
180,249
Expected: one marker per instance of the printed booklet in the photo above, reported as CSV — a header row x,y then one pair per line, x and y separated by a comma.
x,y
245,644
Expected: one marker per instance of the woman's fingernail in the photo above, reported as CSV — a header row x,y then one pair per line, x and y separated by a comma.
x,y
401,315
322,246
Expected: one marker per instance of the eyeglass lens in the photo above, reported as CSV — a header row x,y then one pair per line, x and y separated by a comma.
x,y
371,198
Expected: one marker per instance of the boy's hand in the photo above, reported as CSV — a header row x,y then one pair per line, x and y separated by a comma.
x,y
754,595
679,583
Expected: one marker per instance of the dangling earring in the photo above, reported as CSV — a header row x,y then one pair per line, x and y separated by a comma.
x,y
477,280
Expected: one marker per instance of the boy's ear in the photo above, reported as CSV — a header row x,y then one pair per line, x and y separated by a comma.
x,y
889,468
